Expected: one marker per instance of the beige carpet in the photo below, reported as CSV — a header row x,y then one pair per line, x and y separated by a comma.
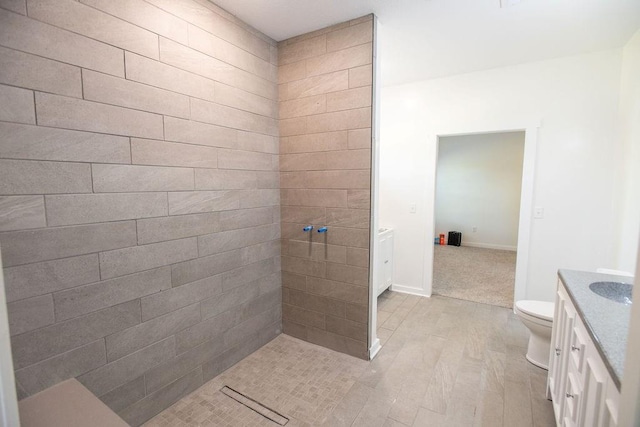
x,y
475,274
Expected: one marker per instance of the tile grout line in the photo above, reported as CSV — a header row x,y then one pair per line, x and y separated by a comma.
x,y
130,152
46,217
82,82
35,108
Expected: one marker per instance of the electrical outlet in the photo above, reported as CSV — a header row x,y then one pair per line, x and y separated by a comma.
x,y
538,212
412,208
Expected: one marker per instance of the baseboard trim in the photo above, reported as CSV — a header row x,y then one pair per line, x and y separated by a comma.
x,y
375,348
410,291
490,246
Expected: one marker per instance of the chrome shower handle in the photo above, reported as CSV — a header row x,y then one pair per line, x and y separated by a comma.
x,y
308,228
322,230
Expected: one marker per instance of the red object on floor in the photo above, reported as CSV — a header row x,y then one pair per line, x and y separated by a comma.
x,y
442,239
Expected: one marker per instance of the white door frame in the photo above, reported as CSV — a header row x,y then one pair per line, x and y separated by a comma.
x,y
629,412
374,271
526,201
9,415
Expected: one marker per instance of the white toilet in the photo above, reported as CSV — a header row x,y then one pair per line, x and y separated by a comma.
x,y
537,316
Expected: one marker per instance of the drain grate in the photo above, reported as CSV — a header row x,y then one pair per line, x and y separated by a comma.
x,y
255,406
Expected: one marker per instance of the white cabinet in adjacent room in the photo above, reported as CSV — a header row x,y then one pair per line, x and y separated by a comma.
x,y
385,268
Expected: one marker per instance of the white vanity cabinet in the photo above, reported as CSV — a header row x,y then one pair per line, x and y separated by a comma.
x,y
385,267
579,383
563,319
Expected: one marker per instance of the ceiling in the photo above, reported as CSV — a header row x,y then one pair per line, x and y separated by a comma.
x,y
426,39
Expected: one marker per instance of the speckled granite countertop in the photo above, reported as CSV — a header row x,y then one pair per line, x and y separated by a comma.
x,y
606,321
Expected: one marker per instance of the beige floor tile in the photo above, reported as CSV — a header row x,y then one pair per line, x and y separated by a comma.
x,y
542,412
375,411
490,409
383,335
493,372
446,362
348,409
427,418
404,410
517,404
383,316
390,422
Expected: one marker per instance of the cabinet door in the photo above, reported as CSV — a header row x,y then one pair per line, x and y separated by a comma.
x,y
579,384
593,394
554,356
555,359
572,398
387,262
611,402
560,351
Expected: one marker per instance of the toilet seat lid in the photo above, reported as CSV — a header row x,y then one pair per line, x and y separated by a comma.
x,y
540,309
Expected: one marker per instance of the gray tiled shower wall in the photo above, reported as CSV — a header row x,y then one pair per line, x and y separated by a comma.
x,y
139,195
326,81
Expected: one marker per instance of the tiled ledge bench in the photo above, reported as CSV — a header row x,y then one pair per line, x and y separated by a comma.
x,y
67,404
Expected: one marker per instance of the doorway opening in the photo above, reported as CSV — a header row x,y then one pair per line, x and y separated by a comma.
x,y
423,287
476,214
526,202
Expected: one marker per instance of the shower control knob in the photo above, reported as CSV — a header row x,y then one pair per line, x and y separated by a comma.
x,y
557,352
308,228
574,348
322,230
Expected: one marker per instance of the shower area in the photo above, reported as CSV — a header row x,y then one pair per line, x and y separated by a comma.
x,y
160,161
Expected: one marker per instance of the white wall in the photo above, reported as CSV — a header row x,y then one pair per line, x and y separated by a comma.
x,y
629,161
576,101
478,184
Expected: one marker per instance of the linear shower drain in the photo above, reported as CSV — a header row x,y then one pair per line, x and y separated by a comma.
x,y
255,406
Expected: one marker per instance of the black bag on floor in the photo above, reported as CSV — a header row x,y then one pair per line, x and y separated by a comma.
x,y
455,238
